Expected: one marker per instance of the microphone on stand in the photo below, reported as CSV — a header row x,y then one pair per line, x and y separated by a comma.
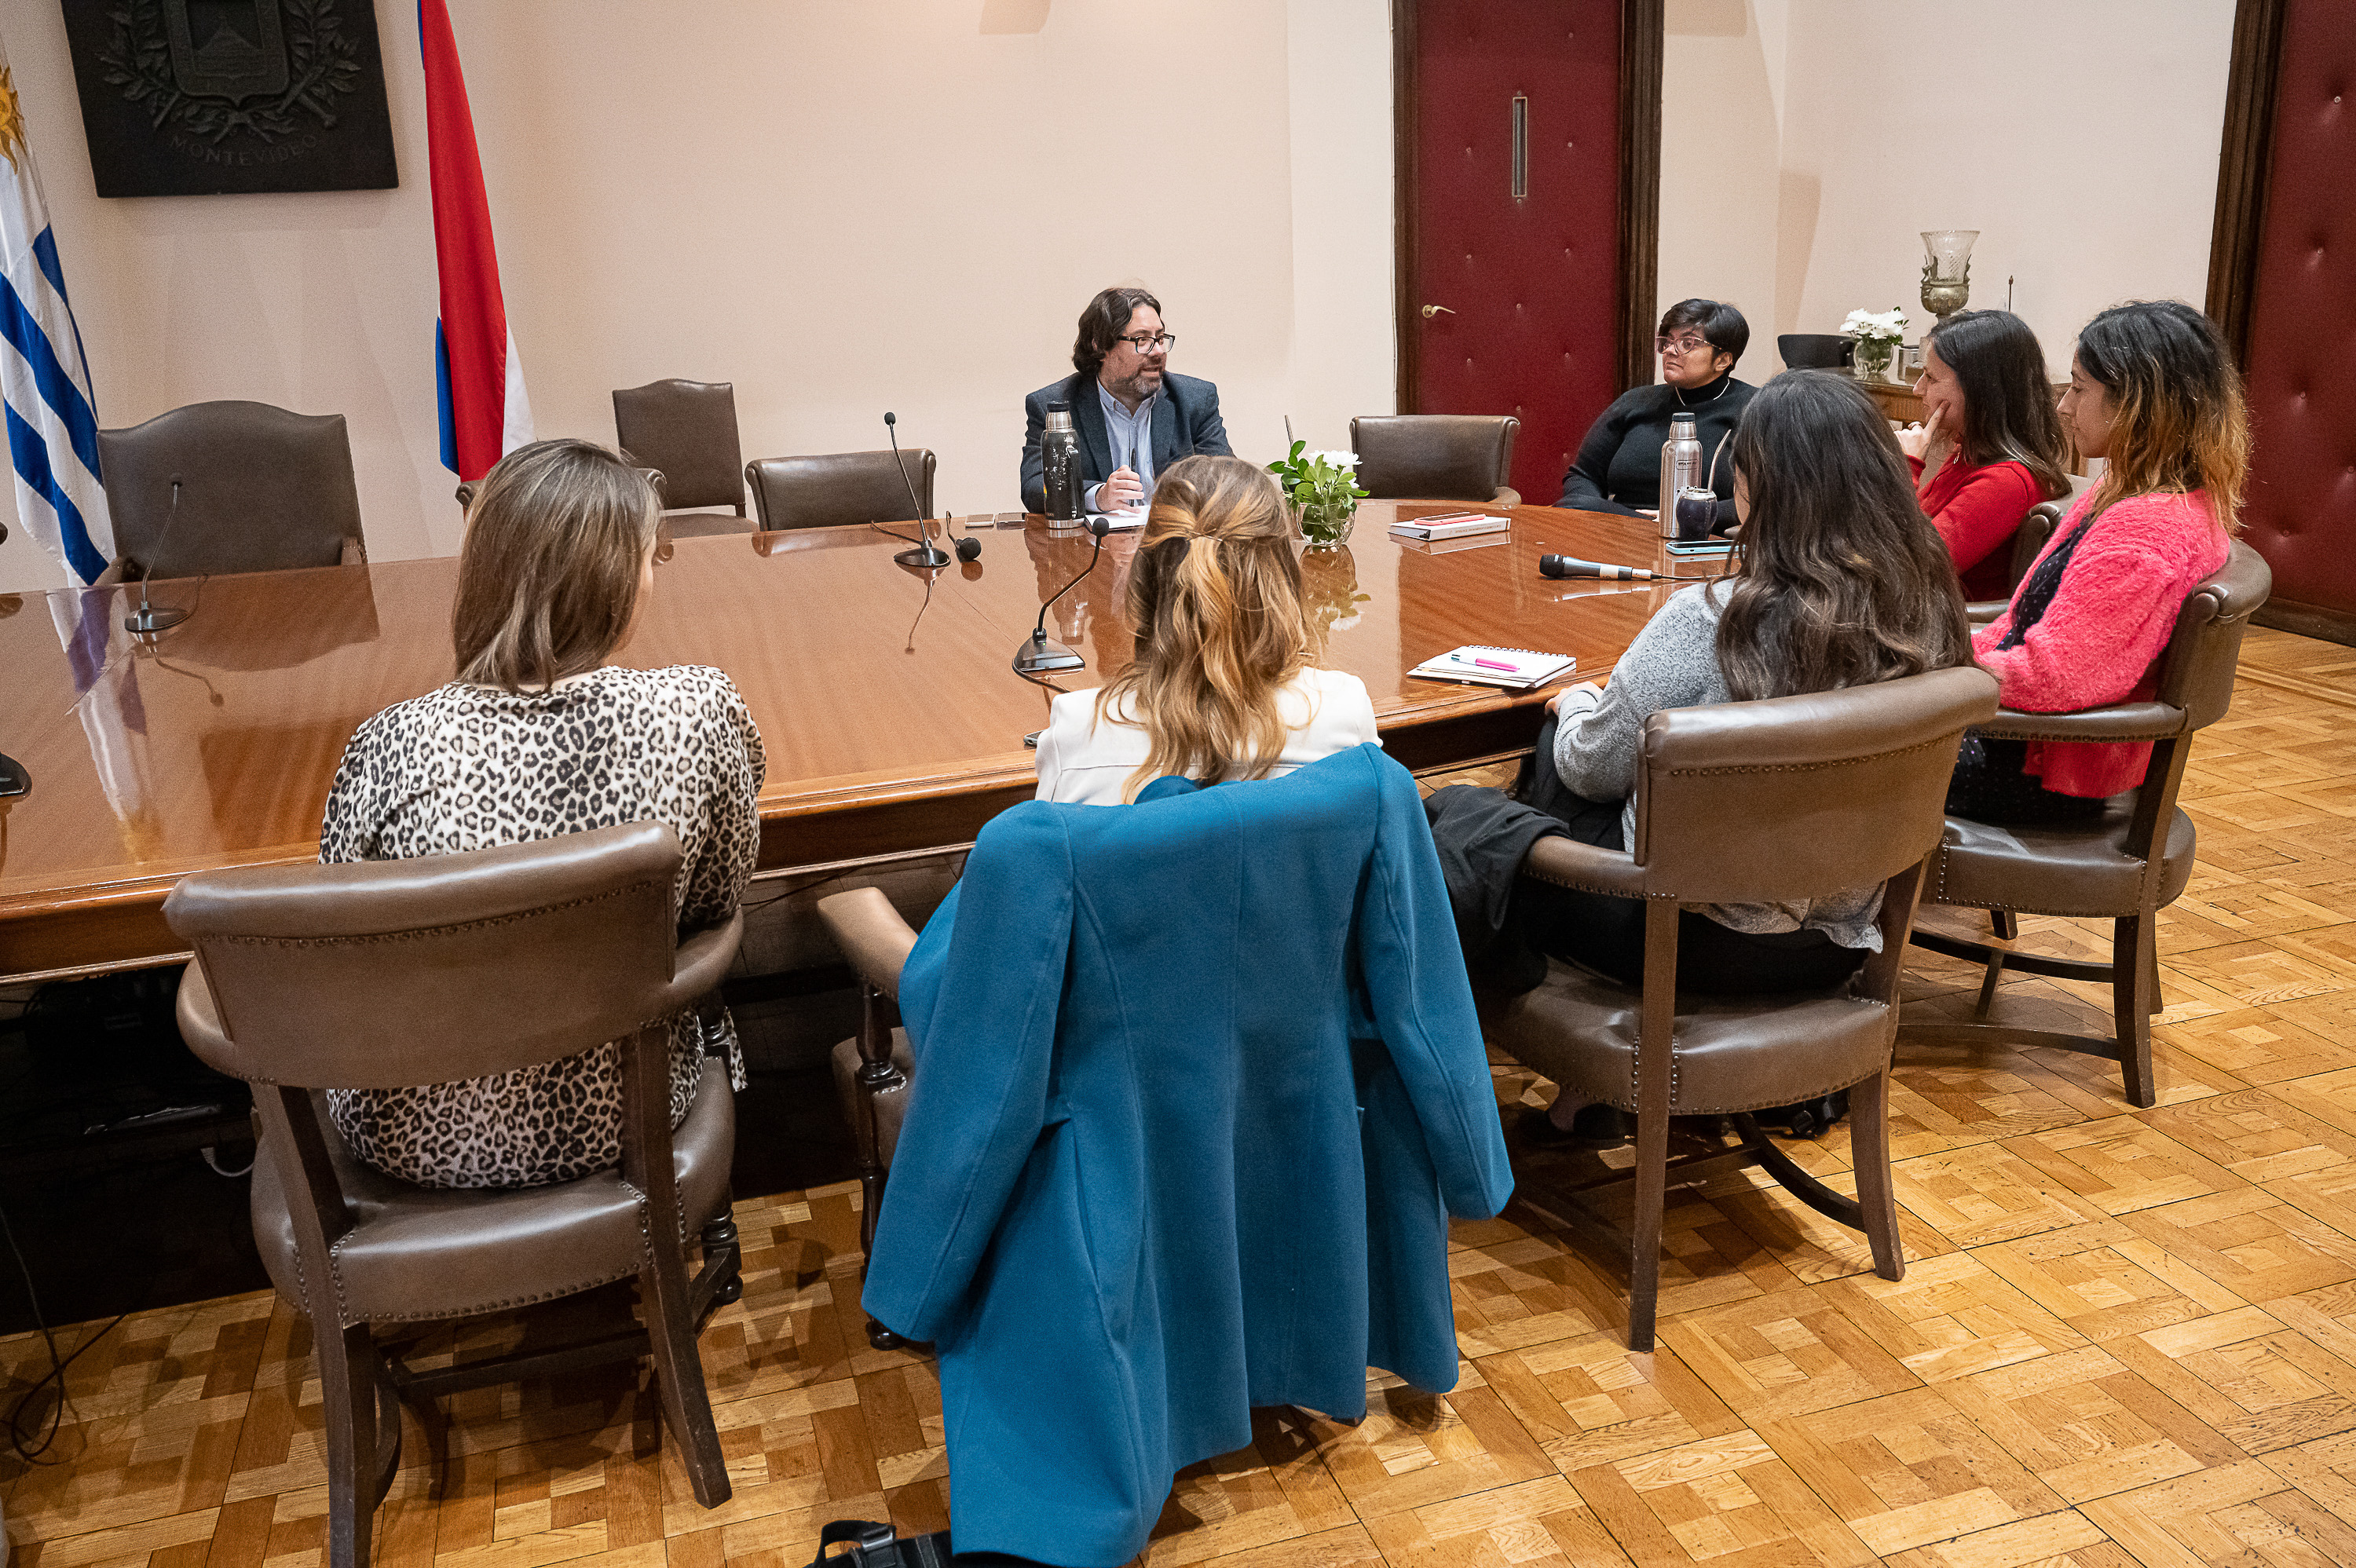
x,y
14,779
148,620
1037,654
926,553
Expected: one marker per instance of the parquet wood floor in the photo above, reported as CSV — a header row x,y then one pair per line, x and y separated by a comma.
x,y
2125,1337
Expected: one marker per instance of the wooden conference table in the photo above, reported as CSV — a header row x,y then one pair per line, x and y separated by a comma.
x,y
893,726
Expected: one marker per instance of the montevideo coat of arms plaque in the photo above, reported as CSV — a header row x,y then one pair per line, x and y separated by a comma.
x,y
216,97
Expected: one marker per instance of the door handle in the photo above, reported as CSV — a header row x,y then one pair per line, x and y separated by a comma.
x,y
1431,310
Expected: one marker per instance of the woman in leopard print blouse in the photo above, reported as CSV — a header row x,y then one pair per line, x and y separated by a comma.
x,y
537,737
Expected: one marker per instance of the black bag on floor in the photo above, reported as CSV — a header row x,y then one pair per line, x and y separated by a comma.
x,y
873,1545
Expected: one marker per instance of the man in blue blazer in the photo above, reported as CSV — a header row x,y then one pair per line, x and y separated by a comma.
x,y
1133,415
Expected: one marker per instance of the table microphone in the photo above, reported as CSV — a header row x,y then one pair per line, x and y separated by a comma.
x,y
1571,566
1037,653
926,553
148,620
13,780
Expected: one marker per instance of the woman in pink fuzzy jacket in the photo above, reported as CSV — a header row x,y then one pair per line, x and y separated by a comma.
x,y
2153,392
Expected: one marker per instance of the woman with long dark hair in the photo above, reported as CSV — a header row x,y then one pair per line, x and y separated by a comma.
x,y
1992,446
2154,393
1842,582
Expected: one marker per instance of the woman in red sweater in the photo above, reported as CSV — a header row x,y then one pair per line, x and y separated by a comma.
x,y
2153,392
1991,447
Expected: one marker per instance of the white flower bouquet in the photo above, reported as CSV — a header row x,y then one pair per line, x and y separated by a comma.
x,y
1876,327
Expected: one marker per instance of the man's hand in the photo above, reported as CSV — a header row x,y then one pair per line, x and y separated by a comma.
x,y
1919,440
1122,492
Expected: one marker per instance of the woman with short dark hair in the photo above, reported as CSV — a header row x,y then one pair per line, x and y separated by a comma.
x,y
1618,468
1992,446
2154,393
538,736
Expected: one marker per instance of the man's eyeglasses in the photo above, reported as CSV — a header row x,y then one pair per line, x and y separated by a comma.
x,y
1688,344
1159,343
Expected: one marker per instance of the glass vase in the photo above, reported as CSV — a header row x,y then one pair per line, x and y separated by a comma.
x,y
1326,525
1871,362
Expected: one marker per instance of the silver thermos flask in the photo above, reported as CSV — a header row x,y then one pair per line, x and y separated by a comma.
x,y
1059,456
1680,467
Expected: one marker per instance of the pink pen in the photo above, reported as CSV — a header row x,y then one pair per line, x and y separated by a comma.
x,y
1493,664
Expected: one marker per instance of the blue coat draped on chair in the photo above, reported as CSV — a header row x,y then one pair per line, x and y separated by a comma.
x,y
1198,1083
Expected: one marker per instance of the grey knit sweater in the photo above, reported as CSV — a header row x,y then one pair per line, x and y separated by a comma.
x,y
1673,663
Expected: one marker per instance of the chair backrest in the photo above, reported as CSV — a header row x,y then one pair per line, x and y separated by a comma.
x,y
1815,350
1441,457
262,489
2197,668
394,974
1801,797
2028,541
688,430
841,487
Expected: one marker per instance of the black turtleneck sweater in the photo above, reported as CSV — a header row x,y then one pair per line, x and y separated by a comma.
x,y
1619,464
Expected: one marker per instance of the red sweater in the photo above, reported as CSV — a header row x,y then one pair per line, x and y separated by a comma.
x,y
1978,511
2108,621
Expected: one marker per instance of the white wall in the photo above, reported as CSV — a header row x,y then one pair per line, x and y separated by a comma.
x,y
840,206
2080,138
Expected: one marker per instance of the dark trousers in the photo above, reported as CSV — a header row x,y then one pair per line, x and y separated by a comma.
x,y
1990,787
1607,933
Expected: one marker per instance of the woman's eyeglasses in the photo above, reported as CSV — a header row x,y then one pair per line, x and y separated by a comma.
x,y
1688,344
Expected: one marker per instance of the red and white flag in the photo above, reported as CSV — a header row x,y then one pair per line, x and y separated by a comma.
x,y
485,414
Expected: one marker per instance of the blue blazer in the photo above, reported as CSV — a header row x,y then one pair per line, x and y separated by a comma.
x,y
1185,422
1198,1083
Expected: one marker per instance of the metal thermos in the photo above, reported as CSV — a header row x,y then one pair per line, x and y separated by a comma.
x,y
1059,456
1680,468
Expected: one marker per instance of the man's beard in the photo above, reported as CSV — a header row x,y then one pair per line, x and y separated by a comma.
x,y
1135,387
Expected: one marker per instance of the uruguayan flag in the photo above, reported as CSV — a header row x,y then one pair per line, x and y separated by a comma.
x,y
45,380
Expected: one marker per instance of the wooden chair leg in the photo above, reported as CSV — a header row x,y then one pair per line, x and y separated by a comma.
x,y
2151,952
1651,1199
2003,926
2134,966
1868,1155
666,1301
722,1252
347,1392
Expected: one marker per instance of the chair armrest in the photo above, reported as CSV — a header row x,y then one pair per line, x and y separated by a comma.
x,y
1506,496
1567,863
354,553
873,936
703,961
1980,611
2119,722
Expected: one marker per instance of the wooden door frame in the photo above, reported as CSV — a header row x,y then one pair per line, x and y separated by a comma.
x,y
2242,168
1642,40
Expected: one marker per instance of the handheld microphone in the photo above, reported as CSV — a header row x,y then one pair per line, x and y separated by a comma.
x,y
1571,566
926,553
1037,653
148,620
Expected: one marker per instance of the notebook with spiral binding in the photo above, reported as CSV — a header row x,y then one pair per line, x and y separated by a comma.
x,y
1515,669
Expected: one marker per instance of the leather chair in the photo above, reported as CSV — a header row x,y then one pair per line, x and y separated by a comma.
x,y
402,973
842,487
262,489
1437,457
688,431
465,497
1815,350
1792,797
2126,865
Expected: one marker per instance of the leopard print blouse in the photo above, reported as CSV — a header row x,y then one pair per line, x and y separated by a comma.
x,y
470,767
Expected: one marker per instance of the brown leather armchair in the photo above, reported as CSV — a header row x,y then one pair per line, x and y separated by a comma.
x,y
2128,864
402,973
841,487
687,429
261,489
1792,797
1437,457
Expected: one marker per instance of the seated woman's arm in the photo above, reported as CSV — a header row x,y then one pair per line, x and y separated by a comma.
x,y
1583,486
1673,663
2109,618
1982,517
734,765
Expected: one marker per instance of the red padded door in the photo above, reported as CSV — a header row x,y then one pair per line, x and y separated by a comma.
x,y
2300,510
1529,286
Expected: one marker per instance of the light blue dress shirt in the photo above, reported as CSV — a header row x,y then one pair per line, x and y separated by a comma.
x,y
1130,436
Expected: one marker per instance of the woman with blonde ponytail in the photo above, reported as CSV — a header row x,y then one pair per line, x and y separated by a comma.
x,y
1219,688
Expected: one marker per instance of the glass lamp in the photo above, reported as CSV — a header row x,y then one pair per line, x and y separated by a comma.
x,y
1946,270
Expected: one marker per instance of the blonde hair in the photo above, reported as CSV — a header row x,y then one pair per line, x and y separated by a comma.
x,y
548,577
2179,421
1215,597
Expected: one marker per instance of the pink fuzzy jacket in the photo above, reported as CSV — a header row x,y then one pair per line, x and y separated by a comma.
x,y
2107,622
